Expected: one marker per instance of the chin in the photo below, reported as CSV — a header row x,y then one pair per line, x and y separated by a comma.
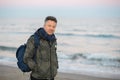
x,y
50,33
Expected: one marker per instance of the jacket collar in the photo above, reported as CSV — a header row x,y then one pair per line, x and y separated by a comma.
x,y
43,34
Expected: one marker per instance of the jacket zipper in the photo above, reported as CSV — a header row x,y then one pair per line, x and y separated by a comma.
x,y
50,61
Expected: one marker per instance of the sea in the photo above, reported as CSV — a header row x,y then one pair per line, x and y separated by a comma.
x,y
89,46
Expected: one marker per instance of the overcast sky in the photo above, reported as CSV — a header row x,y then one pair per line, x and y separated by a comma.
x,y
57,2
64,8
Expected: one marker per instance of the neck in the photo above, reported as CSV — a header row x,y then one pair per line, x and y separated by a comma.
x,y
46,35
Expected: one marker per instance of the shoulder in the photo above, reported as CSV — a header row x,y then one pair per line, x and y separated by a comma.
x,y
31,39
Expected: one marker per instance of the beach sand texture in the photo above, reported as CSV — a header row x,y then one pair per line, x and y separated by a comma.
x,y
13,73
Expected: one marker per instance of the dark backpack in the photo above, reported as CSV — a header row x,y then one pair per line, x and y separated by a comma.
x,y
21,51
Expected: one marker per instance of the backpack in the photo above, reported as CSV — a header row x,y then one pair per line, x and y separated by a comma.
x,y
21,51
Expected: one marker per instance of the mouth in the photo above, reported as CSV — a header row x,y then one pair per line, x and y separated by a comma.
x,y
50,32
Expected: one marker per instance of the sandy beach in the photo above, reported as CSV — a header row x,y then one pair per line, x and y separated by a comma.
x,y
13,73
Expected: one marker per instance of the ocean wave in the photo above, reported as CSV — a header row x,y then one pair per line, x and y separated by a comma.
x,y
4,48
90,35
79,30
96,56
102,35
16,32
96,59
65,34
11,59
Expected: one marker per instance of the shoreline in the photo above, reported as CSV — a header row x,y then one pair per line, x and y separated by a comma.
x,y
13,73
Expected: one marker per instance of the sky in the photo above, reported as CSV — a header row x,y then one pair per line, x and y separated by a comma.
x,y
59,8
39,3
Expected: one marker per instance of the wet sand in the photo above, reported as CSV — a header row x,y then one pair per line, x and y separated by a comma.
x,y
13,73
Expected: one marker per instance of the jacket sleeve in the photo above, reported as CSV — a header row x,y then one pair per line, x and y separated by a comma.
x,y
57,62
29,53
57,55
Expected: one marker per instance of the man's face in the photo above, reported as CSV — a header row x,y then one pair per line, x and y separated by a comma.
x,y
49,27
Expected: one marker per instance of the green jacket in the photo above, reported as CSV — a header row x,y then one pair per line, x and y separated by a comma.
x,y
46,63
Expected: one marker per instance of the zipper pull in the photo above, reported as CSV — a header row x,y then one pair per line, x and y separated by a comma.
x,y
50,43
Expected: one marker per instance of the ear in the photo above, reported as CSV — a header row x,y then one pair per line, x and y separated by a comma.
x,y
44,25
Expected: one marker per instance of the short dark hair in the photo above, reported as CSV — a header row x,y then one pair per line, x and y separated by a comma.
x,y
51,18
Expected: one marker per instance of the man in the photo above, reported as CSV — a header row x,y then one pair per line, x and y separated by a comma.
x,y
45,65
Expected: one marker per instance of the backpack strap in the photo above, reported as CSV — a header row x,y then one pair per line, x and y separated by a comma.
x,y
36,40
36,44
